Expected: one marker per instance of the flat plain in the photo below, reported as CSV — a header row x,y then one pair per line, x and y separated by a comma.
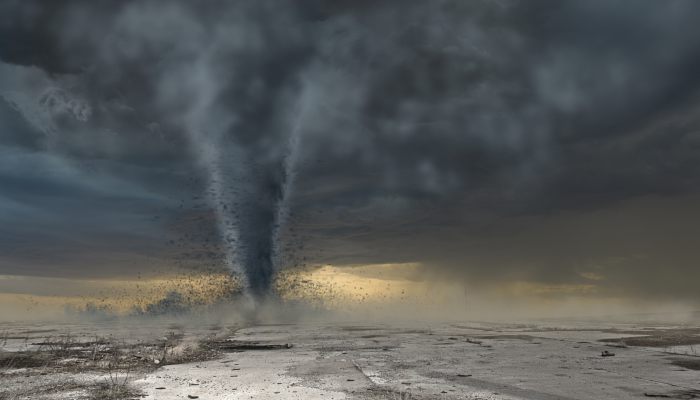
x,y
547,360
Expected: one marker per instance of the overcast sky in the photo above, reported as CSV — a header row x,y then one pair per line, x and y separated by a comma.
x,y
549,141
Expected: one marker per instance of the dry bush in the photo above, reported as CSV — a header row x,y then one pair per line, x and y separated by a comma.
x,y
116,385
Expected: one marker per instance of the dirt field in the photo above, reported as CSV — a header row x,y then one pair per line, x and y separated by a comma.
x,y
457,360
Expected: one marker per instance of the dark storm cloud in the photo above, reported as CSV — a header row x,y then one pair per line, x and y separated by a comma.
x,y
429,131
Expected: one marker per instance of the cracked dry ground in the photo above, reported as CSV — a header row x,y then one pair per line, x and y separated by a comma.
x,y
437,361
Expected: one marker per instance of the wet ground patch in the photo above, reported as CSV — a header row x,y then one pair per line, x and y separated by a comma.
x,y
238,345
677,394
690,363
360,328
23,359
506,337
659,339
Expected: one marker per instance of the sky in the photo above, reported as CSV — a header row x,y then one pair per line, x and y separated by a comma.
x,y
545,143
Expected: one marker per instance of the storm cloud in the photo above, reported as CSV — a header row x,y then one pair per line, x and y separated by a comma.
x,y
489,140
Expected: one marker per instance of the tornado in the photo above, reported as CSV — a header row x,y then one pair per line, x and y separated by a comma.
x,y
250,196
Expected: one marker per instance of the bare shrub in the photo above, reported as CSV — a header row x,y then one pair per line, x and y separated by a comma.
x,y
116,385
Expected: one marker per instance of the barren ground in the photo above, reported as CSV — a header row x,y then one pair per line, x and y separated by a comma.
x,y
457,360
